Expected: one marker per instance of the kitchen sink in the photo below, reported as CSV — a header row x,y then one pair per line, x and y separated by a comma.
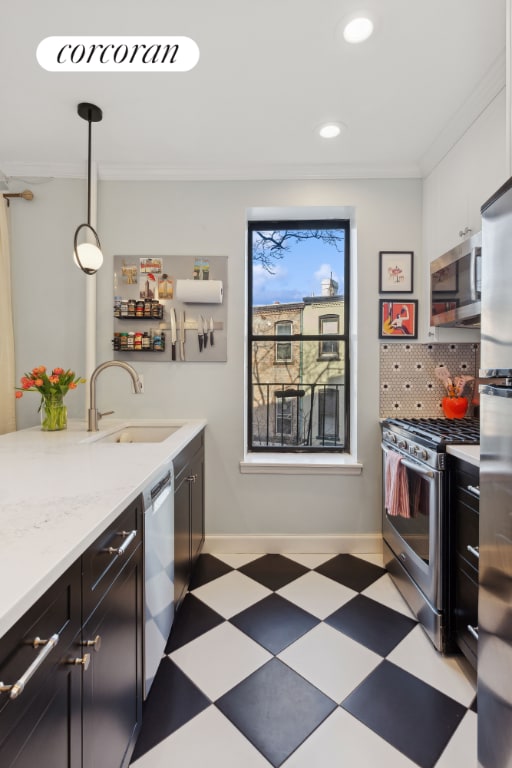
x,y
140,434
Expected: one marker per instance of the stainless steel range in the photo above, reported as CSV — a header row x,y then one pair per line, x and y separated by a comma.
x,y
417,533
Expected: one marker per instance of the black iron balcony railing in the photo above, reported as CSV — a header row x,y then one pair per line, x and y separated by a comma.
x,y
301,416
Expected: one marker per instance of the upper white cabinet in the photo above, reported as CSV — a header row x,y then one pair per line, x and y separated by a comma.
x,y
455,190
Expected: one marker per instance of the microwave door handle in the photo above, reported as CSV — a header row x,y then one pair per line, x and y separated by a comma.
x,y
474,268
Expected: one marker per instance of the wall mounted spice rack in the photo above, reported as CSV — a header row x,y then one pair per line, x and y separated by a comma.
x,y
139,341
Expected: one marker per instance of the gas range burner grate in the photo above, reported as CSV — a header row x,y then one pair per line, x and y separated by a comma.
x,y
440,431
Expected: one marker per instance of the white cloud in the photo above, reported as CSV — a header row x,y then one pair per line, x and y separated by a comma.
x,y
325,271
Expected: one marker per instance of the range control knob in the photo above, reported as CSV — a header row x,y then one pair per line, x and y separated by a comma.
x,y
422,454
403,444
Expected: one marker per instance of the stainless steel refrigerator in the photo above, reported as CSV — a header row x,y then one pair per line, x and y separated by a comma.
x,y
495,564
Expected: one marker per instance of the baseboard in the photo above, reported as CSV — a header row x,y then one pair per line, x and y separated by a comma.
x,y
367,543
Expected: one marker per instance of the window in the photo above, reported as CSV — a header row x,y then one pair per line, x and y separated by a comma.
x,y
283,348
329,324
298,336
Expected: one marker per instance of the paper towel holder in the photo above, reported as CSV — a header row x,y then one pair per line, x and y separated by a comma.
x,y
200,291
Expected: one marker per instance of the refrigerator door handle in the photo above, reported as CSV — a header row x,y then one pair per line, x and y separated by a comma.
x,y
475,273
494,391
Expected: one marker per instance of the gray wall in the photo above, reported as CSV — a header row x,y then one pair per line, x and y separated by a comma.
x,y
209,218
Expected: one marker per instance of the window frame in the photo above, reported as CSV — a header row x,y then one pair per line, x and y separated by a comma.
x,y
342,338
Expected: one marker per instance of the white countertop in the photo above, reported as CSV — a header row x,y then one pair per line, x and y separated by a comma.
x,y
59,491
469,453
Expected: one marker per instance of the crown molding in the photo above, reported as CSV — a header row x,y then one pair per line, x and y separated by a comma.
x,y
489,87
140,172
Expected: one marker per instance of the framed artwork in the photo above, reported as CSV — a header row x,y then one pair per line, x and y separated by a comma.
x,y
395,271
398,319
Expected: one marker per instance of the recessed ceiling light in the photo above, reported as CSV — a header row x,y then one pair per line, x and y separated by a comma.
x,y
357,30
330,130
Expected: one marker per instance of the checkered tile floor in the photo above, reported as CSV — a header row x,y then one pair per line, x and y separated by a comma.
x,y
303,661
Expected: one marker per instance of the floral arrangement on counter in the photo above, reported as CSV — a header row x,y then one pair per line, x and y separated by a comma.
x,y
454,385
52,389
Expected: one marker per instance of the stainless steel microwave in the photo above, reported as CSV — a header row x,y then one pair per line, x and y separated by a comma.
x,y
455,285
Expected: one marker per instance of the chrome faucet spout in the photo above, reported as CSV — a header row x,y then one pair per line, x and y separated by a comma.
x,y
93,414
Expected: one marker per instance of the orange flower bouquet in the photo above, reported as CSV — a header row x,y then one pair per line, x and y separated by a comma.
x,y
52,389
455,404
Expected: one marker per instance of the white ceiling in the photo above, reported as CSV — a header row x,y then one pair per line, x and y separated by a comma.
x,y
269,73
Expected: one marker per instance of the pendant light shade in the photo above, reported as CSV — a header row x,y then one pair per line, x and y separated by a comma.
x,y
87,255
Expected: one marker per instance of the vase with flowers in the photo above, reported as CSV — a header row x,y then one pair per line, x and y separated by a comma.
x,y
52,388
455,403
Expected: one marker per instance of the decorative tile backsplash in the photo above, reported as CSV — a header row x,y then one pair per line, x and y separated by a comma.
x,y
408,385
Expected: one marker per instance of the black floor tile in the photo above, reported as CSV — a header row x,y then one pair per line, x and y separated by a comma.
x,y
351,571
415,718
274,571
275,709
207,568
274,622
173,700
372,624
193,618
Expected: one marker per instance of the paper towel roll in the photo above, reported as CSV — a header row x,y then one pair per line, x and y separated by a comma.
x,y
199,291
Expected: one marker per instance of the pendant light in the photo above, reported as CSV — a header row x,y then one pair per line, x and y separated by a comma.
x,y
88,256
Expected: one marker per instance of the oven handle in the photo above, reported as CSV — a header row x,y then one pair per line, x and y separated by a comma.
x,y
412,464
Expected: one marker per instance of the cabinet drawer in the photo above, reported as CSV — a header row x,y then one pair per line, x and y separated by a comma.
x,y
183,459
57,612
104,560
467,533
466,612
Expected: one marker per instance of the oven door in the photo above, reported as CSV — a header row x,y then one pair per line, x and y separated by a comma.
x,y
416,541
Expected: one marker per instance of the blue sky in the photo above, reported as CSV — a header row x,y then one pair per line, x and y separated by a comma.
x,y
299,273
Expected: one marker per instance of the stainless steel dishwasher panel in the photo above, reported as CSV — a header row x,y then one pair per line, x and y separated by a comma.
x,y
158,571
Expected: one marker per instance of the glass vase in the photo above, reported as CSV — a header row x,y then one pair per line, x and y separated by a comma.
x,y
455,407
54,414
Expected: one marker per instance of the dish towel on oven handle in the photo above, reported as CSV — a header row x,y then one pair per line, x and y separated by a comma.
x,y
396,486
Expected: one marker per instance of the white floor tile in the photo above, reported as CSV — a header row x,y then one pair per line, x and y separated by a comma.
x,y
416,655
309,559
236,560
317,594
384,591
462,747
330,660
232,593
207,740
219,659
341,740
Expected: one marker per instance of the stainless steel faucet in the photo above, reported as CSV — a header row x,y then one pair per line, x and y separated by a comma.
x,y
93,414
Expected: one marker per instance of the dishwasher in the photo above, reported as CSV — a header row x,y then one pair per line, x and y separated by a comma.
x,y
158,571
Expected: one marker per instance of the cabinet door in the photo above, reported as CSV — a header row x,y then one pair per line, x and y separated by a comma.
x,y
181,539
42,726
112,684
196,507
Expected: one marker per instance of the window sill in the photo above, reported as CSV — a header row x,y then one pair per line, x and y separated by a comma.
x,y
300,464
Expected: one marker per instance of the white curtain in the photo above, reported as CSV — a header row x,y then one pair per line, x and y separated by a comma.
x,y
7,374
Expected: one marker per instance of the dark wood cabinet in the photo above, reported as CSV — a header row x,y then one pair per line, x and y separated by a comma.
x,y
465,505
112,632
188,513
49,702
82,707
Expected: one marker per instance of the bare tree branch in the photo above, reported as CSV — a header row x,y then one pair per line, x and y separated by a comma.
x,y
269,247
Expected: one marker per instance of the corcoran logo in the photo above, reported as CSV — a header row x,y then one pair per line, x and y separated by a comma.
x,y
117,54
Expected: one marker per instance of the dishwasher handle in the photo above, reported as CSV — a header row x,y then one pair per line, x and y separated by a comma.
x,y
159,487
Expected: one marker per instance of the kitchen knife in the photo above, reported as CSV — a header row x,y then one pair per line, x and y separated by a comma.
x,y
211,331
182,336
200,332
173,334
205,332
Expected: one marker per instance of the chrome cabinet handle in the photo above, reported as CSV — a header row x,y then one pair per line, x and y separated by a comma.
x,y
130,536
475,551
192,478
17,688
473,631
474,489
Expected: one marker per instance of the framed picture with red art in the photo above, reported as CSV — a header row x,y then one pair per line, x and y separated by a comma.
x,y
398,319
